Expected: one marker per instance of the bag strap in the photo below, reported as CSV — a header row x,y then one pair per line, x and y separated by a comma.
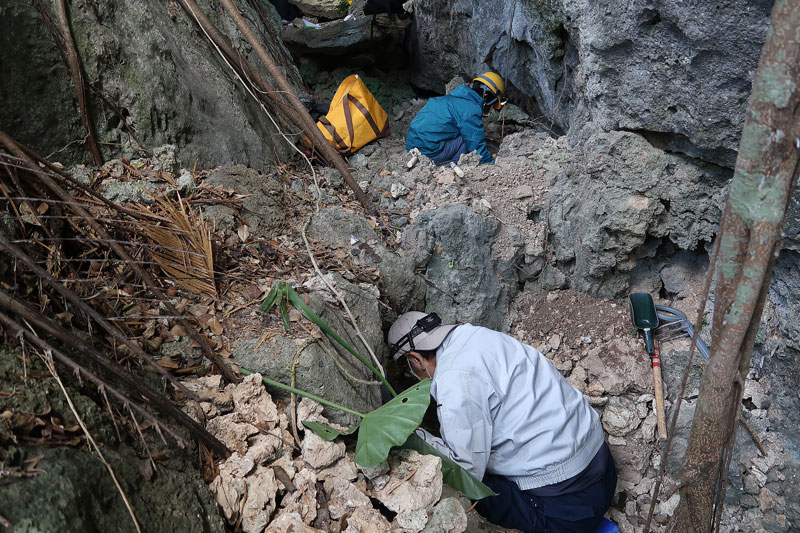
x,y
364,111
340,144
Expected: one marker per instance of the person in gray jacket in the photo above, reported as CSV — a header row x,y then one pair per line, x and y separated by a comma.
x,y
509,418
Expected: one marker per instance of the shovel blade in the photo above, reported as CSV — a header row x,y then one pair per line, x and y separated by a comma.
x,y
643,310
644,317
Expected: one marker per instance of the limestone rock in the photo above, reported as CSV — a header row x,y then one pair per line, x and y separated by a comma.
x,y
523,191
627,371
344,497
343,37
231,431
180,95
303,501
289,523
261,490
253,403
74,482
421,490
344,468
318,452
619,416
315,369
263,448
367,520
648,51
462,266
373,472
329,9
412,521
448,517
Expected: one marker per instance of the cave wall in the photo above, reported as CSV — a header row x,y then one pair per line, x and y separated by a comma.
x,y
677,72
154,64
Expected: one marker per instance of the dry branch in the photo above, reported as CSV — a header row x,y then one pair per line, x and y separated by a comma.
x,y
85,350
49,182
17,329
69,52
83,307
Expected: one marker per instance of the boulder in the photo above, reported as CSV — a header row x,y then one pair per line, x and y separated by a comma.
x,y
316,371
351,232
413,483
367,520
468,284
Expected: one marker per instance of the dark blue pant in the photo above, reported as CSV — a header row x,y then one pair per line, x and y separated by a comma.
x,y
451,152
578,512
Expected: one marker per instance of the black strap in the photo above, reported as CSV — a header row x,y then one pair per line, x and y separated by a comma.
x,y
364,111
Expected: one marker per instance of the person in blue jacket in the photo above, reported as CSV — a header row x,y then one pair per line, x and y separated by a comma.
x,y
451,125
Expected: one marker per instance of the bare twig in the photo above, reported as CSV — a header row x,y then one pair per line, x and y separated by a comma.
x,y
409,476
293,406
141,436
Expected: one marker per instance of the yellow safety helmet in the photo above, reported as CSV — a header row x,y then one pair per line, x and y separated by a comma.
x,y
493,83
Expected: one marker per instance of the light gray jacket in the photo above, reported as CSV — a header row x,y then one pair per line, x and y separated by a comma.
x,y
504,409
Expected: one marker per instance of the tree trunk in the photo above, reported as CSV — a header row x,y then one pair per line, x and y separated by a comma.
x,y
766,168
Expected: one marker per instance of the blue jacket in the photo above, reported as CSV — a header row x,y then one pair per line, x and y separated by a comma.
x,y
446,117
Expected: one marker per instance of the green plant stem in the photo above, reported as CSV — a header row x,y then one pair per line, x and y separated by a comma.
x,y
314,397
309,314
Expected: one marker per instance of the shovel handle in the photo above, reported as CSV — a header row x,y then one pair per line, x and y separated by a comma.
x,y
659,394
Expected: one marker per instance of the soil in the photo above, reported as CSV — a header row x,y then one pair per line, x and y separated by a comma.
x,y
573,316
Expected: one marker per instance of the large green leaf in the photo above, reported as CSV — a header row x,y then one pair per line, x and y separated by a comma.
x,y
391,424
453,475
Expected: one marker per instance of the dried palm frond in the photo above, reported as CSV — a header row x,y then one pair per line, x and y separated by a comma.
x,y
184,249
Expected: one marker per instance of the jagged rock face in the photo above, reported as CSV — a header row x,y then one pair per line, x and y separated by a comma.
x,y
329,9
616,203
678,72
153,63
466,285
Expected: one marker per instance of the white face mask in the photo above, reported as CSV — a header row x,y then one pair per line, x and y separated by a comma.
x,y
408,360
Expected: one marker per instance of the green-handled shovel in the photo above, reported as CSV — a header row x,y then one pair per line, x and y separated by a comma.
x,y
645,319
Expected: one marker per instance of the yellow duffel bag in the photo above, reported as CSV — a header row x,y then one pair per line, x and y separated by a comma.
x,y
355,118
